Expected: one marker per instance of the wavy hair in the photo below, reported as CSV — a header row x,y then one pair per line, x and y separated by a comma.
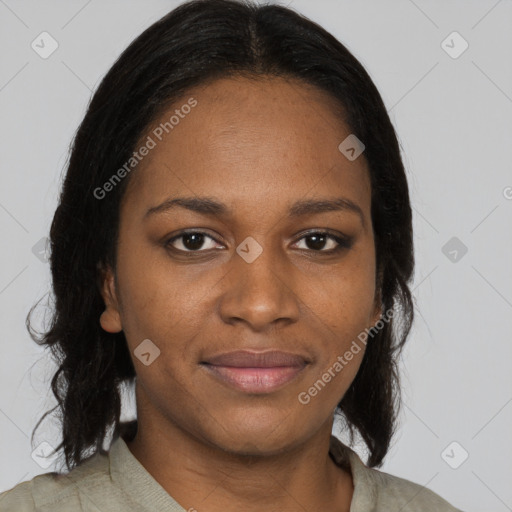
x,y
195,43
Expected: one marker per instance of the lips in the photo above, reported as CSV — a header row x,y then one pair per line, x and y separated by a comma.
x,y
255,372
248,359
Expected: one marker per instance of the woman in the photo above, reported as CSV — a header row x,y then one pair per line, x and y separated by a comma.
x,y
234,235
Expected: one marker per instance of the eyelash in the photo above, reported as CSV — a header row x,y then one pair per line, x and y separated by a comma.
x,y
343,242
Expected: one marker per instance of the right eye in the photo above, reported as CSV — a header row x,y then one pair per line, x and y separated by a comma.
x,y
190,241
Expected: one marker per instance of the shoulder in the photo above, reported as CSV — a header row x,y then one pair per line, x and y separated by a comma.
x,y
56,492
391,491
377,490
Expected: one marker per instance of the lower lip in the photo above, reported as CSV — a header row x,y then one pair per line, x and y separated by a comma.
x,y
255,380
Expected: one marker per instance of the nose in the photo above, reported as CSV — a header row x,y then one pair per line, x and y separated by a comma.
x,y
261,293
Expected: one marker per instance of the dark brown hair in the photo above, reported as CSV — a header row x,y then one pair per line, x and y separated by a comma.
x,y
197,42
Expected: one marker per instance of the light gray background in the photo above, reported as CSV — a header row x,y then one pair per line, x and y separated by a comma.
x,y
453,117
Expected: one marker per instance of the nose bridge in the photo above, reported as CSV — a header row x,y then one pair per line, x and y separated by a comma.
x,y
258,290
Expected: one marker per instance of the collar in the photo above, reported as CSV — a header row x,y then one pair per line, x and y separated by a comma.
x,y
141,488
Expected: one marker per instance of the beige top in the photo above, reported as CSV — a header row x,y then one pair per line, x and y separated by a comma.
x,y
119,482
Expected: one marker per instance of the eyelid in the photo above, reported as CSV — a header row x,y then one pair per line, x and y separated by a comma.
x,y
343,241
169,241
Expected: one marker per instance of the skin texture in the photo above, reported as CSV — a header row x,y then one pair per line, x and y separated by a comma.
x,y
258,146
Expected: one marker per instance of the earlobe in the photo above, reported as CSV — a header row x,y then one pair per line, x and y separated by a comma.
x,y
110,319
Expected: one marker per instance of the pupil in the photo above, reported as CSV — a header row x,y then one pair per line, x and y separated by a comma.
x,y
318,241
197,241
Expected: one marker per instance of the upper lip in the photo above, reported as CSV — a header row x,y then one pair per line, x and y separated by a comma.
x,y
257,359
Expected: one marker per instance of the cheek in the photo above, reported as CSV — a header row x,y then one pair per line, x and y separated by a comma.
x,y
149,300
344,304
343,312
164,307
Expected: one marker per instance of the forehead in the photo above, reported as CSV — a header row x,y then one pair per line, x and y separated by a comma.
x,y
264,141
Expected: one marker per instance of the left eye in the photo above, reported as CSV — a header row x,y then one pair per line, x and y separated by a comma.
x,y
321,238
193,242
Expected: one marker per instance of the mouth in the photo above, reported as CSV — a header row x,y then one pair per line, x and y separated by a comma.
x,y
256,372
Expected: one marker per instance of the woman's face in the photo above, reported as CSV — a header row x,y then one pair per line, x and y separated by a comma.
x,y
249,277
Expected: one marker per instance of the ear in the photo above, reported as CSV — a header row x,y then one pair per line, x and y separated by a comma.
x,y
110,319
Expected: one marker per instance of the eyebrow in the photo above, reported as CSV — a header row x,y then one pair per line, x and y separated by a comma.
x,y
213,207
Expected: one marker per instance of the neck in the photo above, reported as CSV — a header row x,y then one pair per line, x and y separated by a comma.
x,y
198,475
